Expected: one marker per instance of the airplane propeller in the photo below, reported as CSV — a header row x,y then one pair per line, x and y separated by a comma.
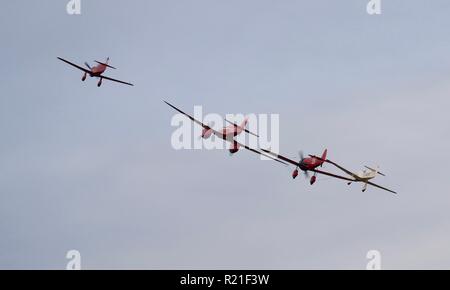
x,y
301,155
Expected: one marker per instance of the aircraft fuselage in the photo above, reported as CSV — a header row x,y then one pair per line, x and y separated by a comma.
x,y
309,163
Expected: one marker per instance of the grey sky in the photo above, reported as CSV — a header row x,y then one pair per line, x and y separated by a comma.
x,y
92,169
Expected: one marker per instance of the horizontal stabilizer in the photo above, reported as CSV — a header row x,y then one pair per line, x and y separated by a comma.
x,y
105,64
375,170
245,130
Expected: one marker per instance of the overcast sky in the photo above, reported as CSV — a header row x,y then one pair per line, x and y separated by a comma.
x,y
92,169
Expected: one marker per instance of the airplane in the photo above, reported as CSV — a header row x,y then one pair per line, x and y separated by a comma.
x,y
307,164
363,176
95,71
227,133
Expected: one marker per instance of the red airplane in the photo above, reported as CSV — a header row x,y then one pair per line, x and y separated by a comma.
x,y
227,133
95,71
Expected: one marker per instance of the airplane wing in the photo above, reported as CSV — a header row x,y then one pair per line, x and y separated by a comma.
x,y
281,157
343,169
192,118
384,188
74,65
260,153
332,175
114,80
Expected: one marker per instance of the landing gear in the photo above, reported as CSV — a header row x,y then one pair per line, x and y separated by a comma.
x,y
99,82
84,77
365,187
295,173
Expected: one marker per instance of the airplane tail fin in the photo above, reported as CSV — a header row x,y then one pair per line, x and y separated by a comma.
x,y
244,123
105,63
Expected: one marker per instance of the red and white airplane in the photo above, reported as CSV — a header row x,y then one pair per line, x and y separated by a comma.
x,y
227,133
95,71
